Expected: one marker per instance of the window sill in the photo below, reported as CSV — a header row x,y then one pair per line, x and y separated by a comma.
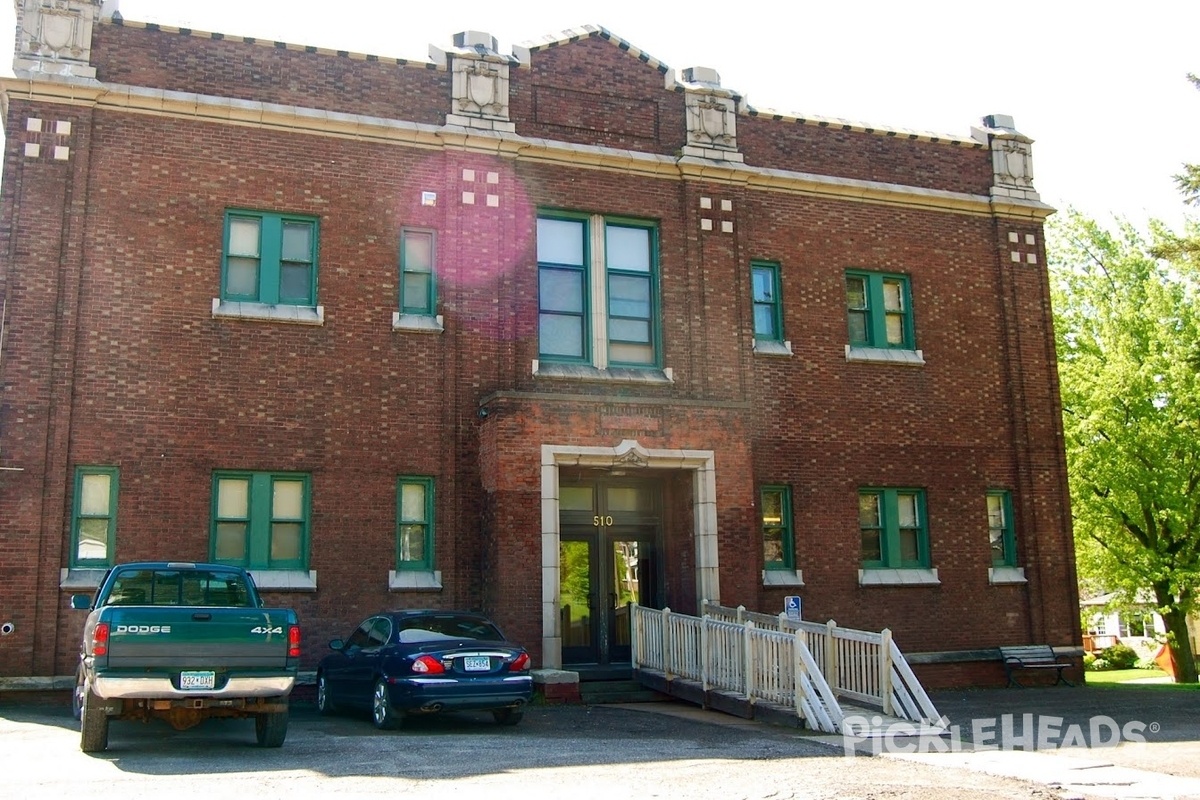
x,y
763,347
886,355
81,577
783,577
1001,575
414,580
285,580
417,323
898,577
586,372
297,315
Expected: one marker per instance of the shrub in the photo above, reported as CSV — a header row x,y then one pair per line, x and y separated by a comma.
x,y
1100,664
1088,660
1120,656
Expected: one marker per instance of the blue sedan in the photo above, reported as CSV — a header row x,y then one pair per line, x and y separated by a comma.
x,y
398,663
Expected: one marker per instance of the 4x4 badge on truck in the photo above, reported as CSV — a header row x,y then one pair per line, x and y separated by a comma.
x,y
267,630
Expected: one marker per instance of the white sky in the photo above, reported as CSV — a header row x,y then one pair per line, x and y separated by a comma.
x,y
1100,86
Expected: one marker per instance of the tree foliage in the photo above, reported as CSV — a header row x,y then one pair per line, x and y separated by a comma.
x,y
1128,338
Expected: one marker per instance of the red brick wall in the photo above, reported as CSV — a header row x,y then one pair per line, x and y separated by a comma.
x,y
112,356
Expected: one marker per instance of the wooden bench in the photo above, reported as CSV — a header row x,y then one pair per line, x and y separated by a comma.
x,y
1032,656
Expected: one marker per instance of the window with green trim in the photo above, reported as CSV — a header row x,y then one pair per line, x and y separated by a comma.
x,y
776,505
94,521
768,310
892,525
1000,529
618,313
270,258
261,520
418,282
414,523
879,310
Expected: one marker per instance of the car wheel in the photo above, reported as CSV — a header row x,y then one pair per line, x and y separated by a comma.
x,y
383,714
77,694
508,716
270,729
325,703
93,725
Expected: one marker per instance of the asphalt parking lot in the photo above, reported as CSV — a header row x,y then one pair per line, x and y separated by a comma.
x,y
660,750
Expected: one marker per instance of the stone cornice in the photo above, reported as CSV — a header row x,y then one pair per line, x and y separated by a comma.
x,y
295,119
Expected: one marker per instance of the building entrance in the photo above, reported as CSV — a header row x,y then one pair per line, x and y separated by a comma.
x,y
609,557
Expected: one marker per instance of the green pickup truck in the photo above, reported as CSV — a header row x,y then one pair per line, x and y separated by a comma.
x,y
183,642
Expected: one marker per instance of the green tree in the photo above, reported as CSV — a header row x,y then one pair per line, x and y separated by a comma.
x,y
1127,329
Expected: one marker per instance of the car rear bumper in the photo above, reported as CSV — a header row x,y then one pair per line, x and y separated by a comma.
x,y
451,694
160,687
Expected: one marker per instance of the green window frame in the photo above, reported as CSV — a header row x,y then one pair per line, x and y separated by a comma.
x,y
414,523
1001,535
775,504
619,311
879,310
767,301
269,258
893,529
418,273
261,520
94,516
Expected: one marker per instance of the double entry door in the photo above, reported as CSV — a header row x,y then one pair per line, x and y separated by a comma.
x,y
608,558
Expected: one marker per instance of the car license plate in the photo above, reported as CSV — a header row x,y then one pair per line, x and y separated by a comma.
x,y
477,663
197,680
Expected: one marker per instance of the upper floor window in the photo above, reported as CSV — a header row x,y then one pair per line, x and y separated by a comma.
x,y
94,522
414,523
768,311
418,285
893,530
270,259
878,310
776,504
597,290
260,519
1000,529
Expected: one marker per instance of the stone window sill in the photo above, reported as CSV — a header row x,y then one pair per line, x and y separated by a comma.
x,y
586,372
898,577
1001,575
886,355
765,347
783,577
81,577
285,580
417,323
414,580
262,312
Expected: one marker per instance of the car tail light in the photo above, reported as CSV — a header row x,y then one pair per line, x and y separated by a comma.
x,y
428,665
520,663
100,639
293,641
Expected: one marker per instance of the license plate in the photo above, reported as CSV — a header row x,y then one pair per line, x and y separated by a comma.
x,y
197,680
477,663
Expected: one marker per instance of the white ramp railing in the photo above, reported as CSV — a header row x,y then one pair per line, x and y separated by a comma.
x,y
858,665
760,664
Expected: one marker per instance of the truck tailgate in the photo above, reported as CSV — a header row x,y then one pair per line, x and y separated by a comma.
x,y
194,636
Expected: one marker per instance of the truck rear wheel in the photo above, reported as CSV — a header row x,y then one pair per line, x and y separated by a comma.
x,y
93,724
271,728
77,693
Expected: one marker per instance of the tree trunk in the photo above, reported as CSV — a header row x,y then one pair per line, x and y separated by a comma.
x,y
1174,614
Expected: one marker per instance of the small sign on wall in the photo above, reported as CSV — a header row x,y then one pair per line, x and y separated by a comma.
x,y
791,606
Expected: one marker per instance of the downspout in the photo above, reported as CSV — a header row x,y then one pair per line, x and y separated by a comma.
x,y
3,317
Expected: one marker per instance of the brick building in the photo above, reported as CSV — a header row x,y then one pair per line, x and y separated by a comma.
x,y
539,333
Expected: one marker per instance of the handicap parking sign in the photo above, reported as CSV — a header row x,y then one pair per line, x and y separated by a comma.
x,y
791,606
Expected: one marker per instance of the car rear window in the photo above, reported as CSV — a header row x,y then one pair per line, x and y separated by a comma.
x,y
154,587
446,626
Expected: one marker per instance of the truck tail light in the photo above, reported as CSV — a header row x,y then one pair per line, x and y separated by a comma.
x,y
428,665
293,641
100,639
520,663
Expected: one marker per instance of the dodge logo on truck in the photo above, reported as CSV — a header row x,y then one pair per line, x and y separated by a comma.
x,y
183,642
